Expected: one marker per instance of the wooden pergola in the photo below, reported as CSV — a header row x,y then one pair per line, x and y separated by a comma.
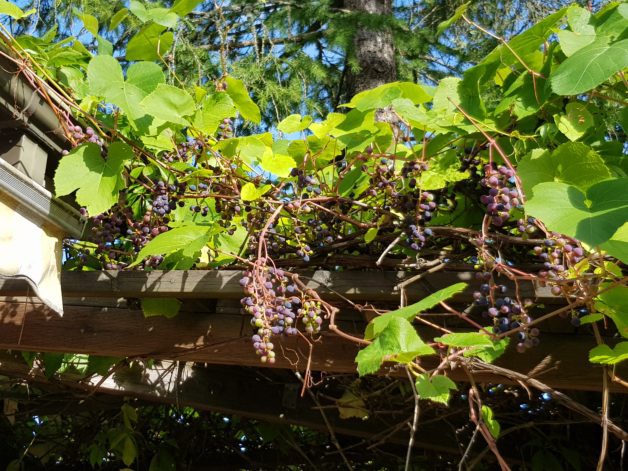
x,y
102,317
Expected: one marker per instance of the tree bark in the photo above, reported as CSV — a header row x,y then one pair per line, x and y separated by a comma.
x,y
372,48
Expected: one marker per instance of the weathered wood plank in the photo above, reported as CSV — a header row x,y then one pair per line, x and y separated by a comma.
x,y
372,285
224,339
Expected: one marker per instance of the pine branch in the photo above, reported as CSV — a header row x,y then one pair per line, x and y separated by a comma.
x,y
299,38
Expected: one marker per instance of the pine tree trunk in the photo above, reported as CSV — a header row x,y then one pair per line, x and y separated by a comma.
x,y
373,49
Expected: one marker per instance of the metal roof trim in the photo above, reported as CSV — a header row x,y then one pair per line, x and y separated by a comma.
x,y
39,200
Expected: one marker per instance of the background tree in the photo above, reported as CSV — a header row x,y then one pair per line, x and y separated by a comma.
x,y
307,56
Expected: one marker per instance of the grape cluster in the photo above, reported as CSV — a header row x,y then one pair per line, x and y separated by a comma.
x,y
557,254
527,228
161,202
107,232
420,208
416,236
86,136
225,129
275,304
412,170
309,184
383,178
311,316
505,312
502,196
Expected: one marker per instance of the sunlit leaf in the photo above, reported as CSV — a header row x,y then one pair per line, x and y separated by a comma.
x,y
590,66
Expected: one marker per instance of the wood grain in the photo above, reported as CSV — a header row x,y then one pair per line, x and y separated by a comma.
x,y
224,339
363,286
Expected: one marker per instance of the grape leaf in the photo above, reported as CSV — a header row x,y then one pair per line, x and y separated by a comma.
x,y
378,324
294,123
465,339
384,95
444,169
490,422
572,162
575,122
251,149
618,243
52,363
97,180
614,304
159,15
398,341
188,239
214,108
277,164
104,74
488,353
250,192
435,388
370,235
118,18
592,217
166,307
589,67
183,7
9,9
247,108
145,75
444,25
609,356
149,43
571,42
353,182
99,364
591,318
129,450
350,405
89,22
170,104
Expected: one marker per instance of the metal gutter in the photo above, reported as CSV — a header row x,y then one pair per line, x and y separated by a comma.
x,y
28,108
39,200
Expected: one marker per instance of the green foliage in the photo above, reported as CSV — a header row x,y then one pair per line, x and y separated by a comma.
x,y
98,181
12,10
166,307
601,61
188,240
169,104
247,108
609,356
488,418
564,169
613,303
465,339
488,353
593,217
106,80
398,342
436,388
352,186
379,324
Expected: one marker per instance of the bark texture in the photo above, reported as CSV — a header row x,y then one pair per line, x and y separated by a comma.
x,y
373,49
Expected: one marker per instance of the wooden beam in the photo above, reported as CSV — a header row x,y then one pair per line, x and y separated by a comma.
x,y
223,284
225,339
204,388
